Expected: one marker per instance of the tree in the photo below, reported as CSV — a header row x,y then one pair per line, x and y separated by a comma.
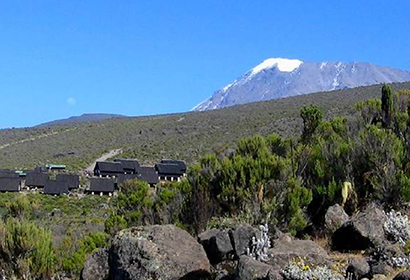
x,y
312,117
387,105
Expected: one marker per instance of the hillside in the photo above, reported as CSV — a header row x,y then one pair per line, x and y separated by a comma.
x,y
185,136
85,118
279,77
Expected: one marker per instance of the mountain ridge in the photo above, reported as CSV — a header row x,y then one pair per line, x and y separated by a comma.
x,y
84,118
279,77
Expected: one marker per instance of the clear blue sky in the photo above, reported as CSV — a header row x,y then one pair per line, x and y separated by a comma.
x,y
63,58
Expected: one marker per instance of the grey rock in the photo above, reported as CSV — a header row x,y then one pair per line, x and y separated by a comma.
x,y
157,252
382,269
403,276
335,217
250,269
363,231
282,253
358,269
309,77
217,244
96,266
241,238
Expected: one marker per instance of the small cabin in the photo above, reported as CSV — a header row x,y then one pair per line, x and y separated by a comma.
x,y
72,180
36,180
169,171
148,174
180,163
56,187
108,169
102,186
10,184
129,166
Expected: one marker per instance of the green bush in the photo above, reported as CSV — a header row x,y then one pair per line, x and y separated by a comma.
x,y
87,245
26,249
114,224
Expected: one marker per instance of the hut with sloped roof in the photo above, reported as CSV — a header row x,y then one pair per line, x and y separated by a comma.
x,y
130,166
169,171
180,163
56,187
72,180
102,186
35,180
10,184
108,169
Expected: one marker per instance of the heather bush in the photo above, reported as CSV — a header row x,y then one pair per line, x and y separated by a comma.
x,y
26,249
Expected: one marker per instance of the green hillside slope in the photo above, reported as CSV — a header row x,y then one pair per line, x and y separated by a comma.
x,y
185,136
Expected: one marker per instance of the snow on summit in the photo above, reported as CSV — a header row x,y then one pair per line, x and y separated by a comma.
x,y
282,64
258,84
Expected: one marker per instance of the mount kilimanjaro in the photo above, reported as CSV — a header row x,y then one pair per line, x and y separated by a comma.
x,y
279,77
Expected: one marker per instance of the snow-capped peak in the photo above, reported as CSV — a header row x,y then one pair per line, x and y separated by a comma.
x,y
282,64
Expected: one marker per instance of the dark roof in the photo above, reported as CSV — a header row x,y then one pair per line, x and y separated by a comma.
x,y
8,174
148,174
108,166
9,184
56,187
181,163
101,185
125,177
169,169
72,180
128,164
35,179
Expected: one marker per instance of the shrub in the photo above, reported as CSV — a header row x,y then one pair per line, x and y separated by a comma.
x,y
114,224
87,245
19,208
27,249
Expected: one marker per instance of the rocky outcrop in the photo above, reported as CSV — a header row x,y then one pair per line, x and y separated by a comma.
x,y
250,269
152,252
241,237
217,245
96,266
284,252
335,217
157,252
358,269
403,276
363,231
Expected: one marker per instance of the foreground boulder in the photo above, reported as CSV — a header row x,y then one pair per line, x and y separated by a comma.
x,y
335,217
96,266
157,252
217,245
250,269
403,276
358,269
241,237
284,252
363,231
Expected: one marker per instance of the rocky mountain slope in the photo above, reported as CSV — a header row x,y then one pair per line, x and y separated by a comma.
x,y
277,78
